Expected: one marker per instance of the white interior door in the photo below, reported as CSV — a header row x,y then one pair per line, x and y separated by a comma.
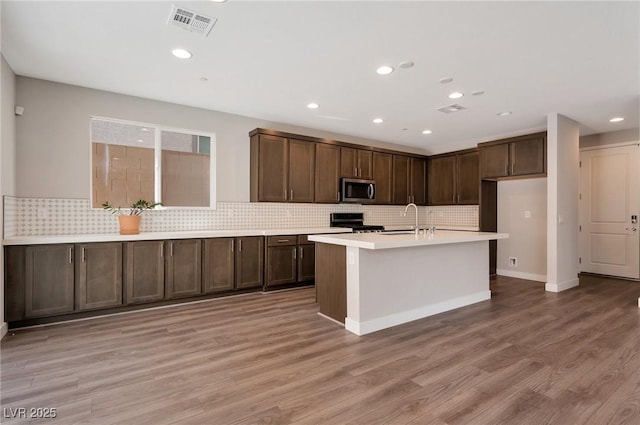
x,y
609,208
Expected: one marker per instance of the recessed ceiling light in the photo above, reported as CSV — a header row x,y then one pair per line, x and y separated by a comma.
x,y
478,93
313,105
378,120
445,80
405,64
426,131
144,129
455,95
616,119
181,53
140,141
503,114
384,70
218,1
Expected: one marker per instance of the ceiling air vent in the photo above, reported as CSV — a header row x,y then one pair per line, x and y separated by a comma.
x,y
449,109
191,21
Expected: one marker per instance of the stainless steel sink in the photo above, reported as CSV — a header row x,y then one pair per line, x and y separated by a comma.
x,y
399,232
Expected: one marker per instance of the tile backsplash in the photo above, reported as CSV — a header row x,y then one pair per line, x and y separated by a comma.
x,y
46,216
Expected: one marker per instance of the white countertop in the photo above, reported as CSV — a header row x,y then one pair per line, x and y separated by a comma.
x,y
391,240
147,236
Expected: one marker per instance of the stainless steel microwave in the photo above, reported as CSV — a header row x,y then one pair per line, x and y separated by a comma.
x,y
359,191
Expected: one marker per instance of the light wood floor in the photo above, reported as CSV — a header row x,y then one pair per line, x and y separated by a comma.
x,y
524,357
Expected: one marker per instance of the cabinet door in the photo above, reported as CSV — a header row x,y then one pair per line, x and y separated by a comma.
x,y
528,156
144,271
401,180
441,181
249,262
98,275
327,177
282,264
382,169
182,268
218,273
494,161
48,280
272,169
365,164
302,164
468,182
348,162
306,262
419,181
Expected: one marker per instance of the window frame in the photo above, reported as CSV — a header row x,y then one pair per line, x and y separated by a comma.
x,y
157,157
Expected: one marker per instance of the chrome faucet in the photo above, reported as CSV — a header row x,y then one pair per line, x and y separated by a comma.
x,y
417,229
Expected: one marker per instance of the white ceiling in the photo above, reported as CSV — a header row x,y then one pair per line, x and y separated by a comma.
x,y
269,59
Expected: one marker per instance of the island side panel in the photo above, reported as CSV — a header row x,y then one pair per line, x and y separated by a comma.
x,y
331,280
396,286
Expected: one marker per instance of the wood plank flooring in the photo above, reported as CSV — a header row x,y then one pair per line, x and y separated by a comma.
x,y
524,357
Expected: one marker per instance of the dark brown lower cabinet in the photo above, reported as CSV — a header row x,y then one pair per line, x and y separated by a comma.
x,y
282,265
232,263
98,275
183,276
331,281
249,262
48,283
290,259
144,271
306,262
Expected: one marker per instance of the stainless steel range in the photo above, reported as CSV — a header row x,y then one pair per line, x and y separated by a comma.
x,y
354,221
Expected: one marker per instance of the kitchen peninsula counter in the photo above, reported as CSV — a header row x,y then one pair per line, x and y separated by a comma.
x,y
373,281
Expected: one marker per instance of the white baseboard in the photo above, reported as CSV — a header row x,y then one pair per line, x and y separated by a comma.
x,y
363,328
562,286
5,328
522,275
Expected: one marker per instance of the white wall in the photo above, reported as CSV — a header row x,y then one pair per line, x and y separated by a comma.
x,y
53,137
527,235
8,145
563,172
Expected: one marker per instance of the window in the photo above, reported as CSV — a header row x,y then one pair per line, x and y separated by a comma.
x,y
132,161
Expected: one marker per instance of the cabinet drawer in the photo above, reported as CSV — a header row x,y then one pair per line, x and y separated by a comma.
x,y
282,240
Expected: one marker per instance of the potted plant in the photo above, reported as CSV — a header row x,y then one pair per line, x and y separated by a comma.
x,y
130,221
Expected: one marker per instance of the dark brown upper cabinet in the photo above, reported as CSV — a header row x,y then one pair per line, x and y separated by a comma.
x,y
409,180
454,179
327,179
356,163
282,169
516,157
382,174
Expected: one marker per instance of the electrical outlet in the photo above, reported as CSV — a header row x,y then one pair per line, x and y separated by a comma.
x,y
513,262
527,214
43,213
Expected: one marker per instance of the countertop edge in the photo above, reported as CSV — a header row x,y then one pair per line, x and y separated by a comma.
x,y
150,236
382,241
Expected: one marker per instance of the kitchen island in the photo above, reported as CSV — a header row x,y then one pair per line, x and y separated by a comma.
x,y
373,281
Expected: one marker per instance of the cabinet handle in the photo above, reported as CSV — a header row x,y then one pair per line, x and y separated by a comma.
x,y
162,250
338,196
283,240
70,255
171,249
239,245
84,258
284,194
505,169
355,171
291,196
301,253
458,198
233,242
294,253
512,164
